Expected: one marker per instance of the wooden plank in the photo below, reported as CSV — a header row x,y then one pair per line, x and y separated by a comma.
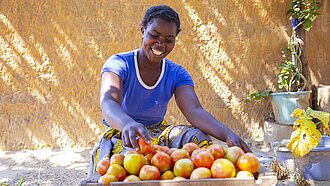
x,y
269,180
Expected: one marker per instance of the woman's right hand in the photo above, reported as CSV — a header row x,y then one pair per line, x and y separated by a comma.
x,y
133,129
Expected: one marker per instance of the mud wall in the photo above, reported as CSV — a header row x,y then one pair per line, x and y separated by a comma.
x,y
51,53
318,47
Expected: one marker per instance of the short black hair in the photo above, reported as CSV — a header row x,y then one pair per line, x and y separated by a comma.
x,y
161,11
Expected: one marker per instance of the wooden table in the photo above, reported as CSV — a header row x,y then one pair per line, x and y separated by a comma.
x,y
263,180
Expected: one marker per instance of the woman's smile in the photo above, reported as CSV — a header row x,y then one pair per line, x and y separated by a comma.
x,y
157,52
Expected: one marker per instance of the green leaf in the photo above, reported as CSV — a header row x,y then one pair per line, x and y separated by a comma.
x,y
21,181
296,9
255,96
307,24
307,16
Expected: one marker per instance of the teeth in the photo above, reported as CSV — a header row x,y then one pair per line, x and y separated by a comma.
x,y
157,52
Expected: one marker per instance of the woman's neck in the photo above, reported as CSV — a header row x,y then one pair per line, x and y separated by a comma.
x,y
144,62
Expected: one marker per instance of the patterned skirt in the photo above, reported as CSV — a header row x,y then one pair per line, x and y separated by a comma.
x,y
172,136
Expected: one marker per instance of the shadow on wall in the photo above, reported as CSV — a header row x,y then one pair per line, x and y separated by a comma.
x,y
50,74
51,54
225,48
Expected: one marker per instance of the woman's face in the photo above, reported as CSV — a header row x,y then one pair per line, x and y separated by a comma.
x,y
158,39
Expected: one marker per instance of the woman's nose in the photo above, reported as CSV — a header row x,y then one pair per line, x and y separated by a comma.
x,y
161,41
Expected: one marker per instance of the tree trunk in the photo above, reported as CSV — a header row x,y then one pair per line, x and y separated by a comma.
x,y
305,68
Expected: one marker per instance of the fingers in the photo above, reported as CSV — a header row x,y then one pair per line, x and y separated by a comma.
x,y
239,143
145,134
132,139
130,133
126,140
245,147
231,143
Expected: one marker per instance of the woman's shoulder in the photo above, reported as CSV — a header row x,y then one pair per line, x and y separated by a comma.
x,y
121,60
174,66
124,58
171,63
124,55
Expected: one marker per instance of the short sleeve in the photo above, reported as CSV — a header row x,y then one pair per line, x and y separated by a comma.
x,y
184,78
115,64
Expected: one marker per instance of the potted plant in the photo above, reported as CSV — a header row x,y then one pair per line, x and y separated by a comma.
x,y
292,90
308,148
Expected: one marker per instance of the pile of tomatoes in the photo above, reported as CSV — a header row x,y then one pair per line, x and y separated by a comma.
x,y
155,162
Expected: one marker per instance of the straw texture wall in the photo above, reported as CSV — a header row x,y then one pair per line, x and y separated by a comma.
x,y
51,54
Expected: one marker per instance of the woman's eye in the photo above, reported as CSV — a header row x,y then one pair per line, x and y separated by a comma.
x,y
166,40
169,41
153,36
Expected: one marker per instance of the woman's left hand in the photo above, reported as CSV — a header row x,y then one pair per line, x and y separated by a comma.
x,y
233,140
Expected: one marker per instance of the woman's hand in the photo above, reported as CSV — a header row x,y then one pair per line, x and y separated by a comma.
x,y
133,129
233,140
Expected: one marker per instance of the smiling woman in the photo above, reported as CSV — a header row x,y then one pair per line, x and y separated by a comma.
x,y
137,87
158,40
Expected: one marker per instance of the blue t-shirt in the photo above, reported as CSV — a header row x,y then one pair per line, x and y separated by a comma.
x,y
146,104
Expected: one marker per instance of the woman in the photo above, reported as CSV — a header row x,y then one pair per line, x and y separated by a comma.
x,y
137,86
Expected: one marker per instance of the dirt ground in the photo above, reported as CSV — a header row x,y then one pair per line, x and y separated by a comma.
x,y
44,167
68,167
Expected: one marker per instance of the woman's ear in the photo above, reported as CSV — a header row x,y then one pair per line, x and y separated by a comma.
x,y
142,31
178,32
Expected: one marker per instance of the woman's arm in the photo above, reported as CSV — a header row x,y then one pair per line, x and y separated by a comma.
x,y
110,100
191,108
